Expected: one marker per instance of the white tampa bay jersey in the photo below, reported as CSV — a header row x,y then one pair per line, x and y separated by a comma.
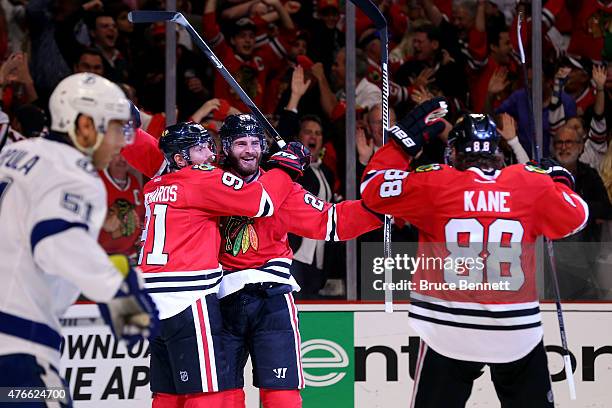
x,y
52,205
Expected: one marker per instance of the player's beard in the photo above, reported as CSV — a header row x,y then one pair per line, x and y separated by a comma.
x,y
238,164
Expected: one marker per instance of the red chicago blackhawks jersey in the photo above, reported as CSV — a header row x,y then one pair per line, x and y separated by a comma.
x,y
121,229
180,252
475,294
257,250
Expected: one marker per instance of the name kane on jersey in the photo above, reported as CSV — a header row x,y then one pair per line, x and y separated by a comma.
x,y
489,201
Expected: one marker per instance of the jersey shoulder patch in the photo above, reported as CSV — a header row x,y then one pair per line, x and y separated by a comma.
x,y
427,168
534,169
203,167
86,165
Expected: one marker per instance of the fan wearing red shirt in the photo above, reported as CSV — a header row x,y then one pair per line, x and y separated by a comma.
x,y
500,59
487,311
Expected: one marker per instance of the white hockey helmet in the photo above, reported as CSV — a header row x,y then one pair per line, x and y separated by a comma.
x,y
88,94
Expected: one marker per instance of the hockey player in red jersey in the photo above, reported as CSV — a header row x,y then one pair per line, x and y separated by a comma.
x,y
256,290
487,313
180,261
256,257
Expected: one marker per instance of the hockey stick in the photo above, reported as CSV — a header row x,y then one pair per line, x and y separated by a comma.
x,y
535,149
567,362
380,23
145,16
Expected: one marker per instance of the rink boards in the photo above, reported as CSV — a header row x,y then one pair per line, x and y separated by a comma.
x,y
354,355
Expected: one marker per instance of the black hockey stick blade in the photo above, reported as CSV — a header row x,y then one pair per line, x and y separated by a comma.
x,y
373,12
145,16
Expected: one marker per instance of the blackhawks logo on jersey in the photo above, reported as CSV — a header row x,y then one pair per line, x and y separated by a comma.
x,y
121,219
240,235
428,167
535,169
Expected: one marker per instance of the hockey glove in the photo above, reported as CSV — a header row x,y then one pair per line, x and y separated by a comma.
x,y
292,159
419,125
557,172
132,314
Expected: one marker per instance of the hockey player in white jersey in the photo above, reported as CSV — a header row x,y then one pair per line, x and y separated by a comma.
x,y
52,205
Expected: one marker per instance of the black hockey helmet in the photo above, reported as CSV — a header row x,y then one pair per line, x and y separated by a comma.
x,y
474,133
237,126
179,138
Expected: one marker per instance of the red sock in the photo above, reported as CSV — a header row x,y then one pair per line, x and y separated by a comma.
x,y
163,400
223,399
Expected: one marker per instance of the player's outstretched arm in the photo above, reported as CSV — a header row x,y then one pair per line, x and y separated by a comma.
x,y
223,193
390,191
308,216
562,211
144,154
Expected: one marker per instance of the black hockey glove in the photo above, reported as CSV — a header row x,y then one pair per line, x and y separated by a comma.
x,y
419,125
557,172
292,159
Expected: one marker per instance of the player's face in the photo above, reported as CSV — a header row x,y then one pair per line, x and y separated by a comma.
x,y
86,134
113,142
201,154
311,136
244,155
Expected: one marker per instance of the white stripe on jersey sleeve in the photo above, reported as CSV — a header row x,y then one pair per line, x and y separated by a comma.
x,y
266,207
568,198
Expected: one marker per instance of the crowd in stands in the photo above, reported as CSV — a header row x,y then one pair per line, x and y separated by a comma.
x,y
289,56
